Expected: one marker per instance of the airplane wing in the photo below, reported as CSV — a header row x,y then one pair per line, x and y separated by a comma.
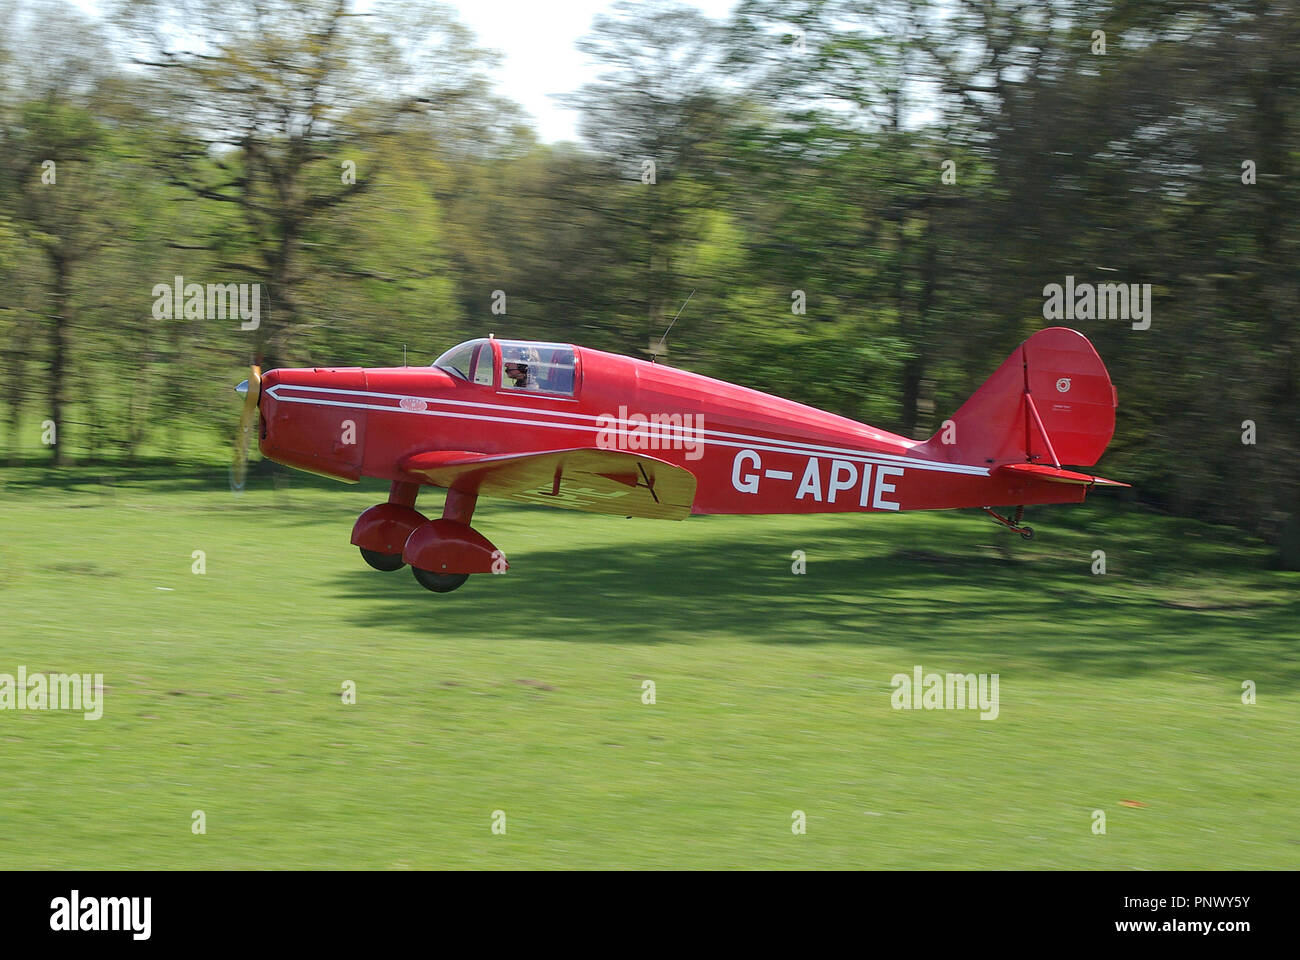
x,y
584,478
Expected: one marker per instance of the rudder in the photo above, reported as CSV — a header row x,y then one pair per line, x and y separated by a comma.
x,y
1051,402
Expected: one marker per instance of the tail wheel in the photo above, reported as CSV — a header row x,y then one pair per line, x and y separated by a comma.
x,y
1015,526
387,562
439,582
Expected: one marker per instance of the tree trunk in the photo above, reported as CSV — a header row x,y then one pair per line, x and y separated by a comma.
x,y
16,391
60,321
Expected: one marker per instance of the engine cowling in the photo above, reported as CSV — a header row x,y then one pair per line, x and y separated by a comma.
x,y
308,421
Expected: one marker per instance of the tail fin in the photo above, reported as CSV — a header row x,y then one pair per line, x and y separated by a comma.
x,y
1051,402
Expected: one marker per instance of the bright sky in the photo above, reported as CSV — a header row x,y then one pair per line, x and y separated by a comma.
x,y
540,60
536,39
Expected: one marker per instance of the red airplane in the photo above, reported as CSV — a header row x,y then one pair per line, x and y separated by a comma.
x,y
573,427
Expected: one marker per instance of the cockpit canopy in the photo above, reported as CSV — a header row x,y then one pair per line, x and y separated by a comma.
x,y
469,361
523,365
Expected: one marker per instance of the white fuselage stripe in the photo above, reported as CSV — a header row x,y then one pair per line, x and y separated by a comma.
x,y
600,419
644,431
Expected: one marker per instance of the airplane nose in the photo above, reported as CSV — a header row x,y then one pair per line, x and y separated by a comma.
x,y
242,388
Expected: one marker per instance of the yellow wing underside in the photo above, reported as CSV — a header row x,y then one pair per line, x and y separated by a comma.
x,y
613,482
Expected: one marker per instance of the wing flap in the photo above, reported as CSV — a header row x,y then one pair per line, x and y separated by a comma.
x,y
583,478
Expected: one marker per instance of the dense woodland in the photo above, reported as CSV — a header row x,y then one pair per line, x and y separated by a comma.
x,y
867,199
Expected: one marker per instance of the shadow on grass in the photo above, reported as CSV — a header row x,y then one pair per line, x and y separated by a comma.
x,y
162,477
1179,596
953,598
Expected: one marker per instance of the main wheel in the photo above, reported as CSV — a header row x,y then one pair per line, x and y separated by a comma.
x,y
439,582
387,562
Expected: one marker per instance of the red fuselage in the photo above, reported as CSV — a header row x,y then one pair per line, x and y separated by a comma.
x,y
751,453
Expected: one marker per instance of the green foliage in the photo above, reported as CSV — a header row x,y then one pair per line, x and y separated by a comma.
x,y
917,172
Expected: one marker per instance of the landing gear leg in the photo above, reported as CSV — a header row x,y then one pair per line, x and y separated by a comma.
x,y
1014,526
459,506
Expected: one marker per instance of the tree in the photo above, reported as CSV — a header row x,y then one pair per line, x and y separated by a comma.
x,y
50,141
657,117
271,101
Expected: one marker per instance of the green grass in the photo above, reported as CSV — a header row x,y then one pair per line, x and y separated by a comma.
x,y
523,693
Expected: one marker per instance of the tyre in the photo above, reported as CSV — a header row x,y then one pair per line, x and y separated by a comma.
x,y
387,562
439,582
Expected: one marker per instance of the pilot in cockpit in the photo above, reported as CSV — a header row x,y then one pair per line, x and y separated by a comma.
x,y
519,376
521,369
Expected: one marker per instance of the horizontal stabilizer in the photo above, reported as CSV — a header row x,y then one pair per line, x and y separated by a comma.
x,y
1041,471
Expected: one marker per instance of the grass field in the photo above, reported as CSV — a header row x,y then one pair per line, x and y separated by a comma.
x,y
523,693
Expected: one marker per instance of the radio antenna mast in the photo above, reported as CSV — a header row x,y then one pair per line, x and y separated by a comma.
x,y
655,356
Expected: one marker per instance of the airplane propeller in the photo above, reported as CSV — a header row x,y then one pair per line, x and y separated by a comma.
x,y
250,390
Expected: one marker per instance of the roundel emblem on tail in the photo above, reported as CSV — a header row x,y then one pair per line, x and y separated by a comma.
x,y
1063,385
